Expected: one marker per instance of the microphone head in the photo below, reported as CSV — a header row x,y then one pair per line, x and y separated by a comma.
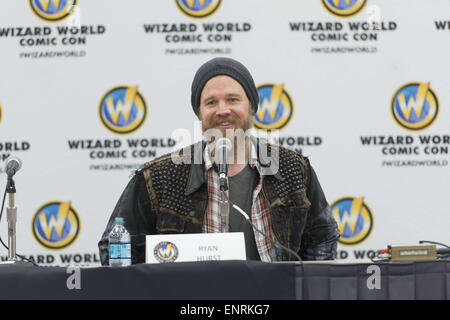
x,y
223,143
223,147
13,165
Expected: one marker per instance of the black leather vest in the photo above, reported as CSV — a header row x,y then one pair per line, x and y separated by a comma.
x,y
178,194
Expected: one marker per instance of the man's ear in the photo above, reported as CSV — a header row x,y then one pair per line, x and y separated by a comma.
x,y
251,111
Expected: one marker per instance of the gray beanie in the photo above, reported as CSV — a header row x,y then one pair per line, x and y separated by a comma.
x,y
227,67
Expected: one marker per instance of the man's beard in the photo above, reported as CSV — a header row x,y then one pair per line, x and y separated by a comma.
x,y
238,135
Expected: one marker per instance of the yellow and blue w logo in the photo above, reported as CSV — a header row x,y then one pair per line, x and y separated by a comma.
x,y
354,219
198,8
344,8
415,106
56,225
275,107
166,252
53,10
123,109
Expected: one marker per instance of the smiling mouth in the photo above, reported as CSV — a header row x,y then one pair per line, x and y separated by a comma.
x,y
224,125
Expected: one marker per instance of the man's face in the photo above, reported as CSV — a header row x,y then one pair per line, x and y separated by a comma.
x,y
224,105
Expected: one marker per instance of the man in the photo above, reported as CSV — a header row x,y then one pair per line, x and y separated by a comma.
x,y
277,187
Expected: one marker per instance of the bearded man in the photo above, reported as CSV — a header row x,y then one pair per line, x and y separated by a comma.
x,y
275,186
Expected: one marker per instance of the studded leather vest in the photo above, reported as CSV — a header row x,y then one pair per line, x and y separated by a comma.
x,y
169,195
178,194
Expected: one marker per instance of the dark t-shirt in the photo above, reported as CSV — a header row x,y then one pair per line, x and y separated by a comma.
x,y
240,193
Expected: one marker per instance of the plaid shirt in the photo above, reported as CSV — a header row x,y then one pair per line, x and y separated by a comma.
x,y
214,222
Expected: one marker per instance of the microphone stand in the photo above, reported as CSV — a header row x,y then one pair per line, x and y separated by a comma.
x,y
224,206
11,215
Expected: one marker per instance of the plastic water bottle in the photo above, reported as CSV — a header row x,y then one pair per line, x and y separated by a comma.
x,y
119,245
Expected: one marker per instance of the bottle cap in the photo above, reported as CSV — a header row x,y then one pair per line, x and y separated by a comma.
x,y
118,220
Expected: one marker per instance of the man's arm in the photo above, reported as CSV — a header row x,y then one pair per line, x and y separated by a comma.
x,y
320,237
134,206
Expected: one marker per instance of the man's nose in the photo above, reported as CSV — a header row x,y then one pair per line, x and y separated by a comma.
x,y
223,108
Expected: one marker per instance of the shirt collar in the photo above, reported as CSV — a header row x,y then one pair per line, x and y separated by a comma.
x,y
196,174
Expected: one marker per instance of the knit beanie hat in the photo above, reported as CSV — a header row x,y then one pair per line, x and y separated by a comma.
x,y
227,67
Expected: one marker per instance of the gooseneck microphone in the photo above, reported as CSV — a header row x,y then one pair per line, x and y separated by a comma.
x,y
223,147
276,243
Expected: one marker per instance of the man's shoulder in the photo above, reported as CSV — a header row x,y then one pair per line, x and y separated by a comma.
x,y
181,157
161,160
287,154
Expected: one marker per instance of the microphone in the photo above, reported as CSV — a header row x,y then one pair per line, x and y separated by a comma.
x,y
444,251
223,147
13,165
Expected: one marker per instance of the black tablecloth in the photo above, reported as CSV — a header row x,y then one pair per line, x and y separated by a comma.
x,y
226,280
230,280
398,281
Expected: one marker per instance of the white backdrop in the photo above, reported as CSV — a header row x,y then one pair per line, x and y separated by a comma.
x,y
341,91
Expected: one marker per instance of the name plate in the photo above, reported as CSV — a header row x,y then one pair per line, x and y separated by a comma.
x,y
165,248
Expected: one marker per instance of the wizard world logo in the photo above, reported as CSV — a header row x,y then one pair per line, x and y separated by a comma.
x,y
354,219
123,109
275,107
56,225
415,106
53,10
166,252
344,8
198,9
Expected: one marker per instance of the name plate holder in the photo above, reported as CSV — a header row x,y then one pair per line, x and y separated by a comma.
x,y
167,248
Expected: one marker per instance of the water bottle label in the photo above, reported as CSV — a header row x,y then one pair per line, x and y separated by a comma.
x,y
126,250
120,251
